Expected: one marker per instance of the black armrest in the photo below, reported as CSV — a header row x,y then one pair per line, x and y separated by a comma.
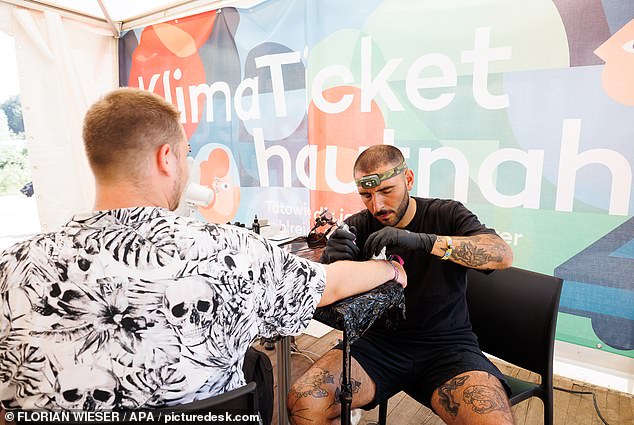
x,y
356,314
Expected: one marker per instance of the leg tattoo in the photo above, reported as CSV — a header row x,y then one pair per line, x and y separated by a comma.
x,y
446,397
314,382
311,385
356,385
483,399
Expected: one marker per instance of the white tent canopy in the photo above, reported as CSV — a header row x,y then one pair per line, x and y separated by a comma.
x,y
121,15
66,52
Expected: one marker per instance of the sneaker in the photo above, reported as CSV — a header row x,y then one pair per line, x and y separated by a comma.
x,y
355,416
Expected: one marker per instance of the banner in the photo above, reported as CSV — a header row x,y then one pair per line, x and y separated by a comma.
x,y
524,111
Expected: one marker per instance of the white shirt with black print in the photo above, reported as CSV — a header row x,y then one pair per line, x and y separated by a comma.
x,y
140,307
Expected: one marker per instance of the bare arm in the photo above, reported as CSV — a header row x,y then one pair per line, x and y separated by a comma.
x,y
483,252
346,278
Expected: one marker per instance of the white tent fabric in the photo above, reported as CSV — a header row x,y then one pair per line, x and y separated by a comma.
x,y
119,10
67,57
63,67
119,15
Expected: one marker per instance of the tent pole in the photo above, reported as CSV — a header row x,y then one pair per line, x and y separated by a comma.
x,y
115,29
42,7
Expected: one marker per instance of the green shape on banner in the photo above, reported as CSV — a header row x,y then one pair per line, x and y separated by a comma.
x,y
336,49
475,151
546,239
464,119
442,173
533,31
408,125
578,330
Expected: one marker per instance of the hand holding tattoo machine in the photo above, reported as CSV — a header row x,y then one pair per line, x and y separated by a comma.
x,y
327,221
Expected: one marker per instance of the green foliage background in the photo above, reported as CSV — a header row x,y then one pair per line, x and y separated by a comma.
x,y
14,169
12,107
14,163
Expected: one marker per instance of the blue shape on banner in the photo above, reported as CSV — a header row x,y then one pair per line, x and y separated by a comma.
x,y
222,64
598,299
626,251
282,22
618,13
280,115
598,285
127,45
553,97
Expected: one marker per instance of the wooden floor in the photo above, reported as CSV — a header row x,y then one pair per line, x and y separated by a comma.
x,y
570,409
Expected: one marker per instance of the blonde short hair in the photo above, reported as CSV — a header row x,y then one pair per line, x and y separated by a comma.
x,y
124,127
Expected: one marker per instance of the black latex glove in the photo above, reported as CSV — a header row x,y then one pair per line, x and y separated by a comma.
x,y
341,246
398,240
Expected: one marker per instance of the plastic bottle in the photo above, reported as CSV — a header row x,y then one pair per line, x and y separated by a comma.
x,y
256,225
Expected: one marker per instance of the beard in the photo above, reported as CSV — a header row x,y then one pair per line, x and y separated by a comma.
x,y
399,213
177,192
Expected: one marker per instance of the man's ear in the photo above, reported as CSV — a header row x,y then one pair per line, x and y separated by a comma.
x,y
164,159
409,179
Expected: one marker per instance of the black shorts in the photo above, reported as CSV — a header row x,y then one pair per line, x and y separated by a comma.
x,y
417,369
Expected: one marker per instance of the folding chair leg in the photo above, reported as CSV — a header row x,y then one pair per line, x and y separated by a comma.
x,y
548,407
383,413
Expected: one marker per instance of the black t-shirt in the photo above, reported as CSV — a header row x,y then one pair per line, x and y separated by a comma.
x,y
436,307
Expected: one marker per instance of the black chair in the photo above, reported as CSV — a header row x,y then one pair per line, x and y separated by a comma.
x,y
243,401
514,312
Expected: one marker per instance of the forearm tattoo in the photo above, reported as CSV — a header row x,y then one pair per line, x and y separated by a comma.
x,y
477,251
447,399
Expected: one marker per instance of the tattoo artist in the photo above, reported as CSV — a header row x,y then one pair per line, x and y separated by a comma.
x,y
433,355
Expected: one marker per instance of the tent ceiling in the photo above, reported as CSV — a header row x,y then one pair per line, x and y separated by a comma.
x,y
125,14
119,10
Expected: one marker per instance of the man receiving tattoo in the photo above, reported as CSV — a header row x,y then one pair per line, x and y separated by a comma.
x,y
433,355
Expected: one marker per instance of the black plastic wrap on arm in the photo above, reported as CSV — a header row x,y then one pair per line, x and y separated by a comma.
x,y
356,314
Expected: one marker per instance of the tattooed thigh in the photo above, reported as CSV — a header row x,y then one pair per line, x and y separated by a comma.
x,y
472,394
317,392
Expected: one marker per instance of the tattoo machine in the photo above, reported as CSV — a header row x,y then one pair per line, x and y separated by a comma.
x,y
326,219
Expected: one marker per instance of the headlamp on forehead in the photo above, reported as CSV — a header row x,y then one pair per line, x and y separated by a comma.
x,y
373,180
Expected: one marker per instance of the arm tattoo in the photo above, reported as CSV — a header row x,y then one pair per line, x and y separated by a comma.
x,y
446,397
483,399
474,256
